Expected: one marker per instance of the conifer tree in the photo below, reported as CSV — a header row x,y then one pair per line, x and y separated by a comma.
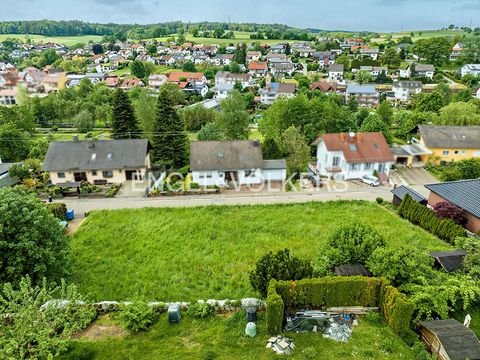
x,y
124,122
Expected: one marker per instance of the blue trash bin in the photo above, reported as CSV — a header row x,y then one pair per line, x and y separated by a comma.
x,y
70,214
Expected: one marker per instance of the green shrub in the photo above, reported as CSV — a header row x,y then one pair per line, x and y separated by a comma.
x,y
59,210
280,266
137,316
372,317
379,200
184,170
200,310
209,355
194,185
397,309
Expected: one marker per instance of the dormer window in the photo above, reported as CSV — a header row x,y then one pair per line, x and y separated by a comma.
x,y
94,157
109,156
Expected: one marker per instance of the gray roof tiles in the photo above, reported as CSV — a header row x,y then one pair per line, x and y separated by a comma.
x,y
403,190
448,137
464,193
96,155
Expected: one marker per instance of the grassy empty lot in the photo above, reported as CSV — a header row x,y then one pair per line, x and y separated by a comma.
x,y
200,253
223,338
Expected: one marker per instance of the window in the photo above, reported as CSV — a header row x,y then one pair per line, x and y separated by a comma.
x,y
107,174
336,161
463,152
94,172
354,167
209,175
368,166
446,152
61,175
201,176
249,173
456,152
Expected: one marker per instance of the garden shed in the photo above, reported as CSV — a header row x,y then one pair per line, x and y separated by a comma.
x,y
400,192
449,261
450,340
352,270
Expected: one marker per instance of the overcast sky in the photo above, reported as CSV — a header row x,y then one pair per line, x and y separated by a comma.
x,y
375,15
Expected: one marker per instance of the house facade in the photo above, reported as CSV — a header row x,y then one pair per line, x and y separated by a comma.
x,y
345,156
366,95
450,143
97,161
404,90
224,163
470,69
273,91
335,72
225,82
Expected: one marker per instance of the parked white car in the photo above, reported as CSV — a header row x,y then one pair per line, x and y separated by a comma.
x,y
370,180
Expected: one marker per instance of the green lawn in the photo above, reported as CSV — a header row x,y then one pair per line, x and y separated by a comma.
x,y
240,37
64,40
425,34
223,338
67,136
207,252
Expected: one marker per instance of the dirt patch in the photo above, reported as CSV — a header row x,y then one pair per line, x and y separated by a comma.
x,y
99,332
74,224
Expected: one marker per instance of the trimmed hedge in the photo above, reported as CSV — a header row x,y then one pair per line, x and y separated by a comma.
x,y
339,291
275,309
418,214
59,210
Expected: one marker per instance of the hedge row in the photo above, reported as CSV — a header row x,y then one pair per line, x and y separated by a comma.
x,y
339,291
59,210
418,214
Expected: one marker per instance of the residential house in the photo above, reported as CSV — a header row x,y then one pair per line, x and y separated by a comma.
x,y
223,59
8,79
366,95
456,51
335,73
477,93
282,69
146,58
324,86
54,82
139,48
155,81
350,156
470,69
464,194
225,82
350,42
374,70
411,155
404,90
450,143
190,81
371,53
275,90
325,58
200,58
166,60
253,56
97,161
222,163
278,48
418,70
8,97
112,81
399,192
257,69
130,83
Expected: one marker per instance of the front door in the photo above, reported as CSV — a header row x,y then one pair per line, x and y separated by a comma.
x,y
381,168
80,176
231,176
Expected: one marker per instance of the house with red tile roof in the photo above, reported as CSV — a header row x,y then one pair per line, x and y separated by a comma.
x,y
257,69
345,156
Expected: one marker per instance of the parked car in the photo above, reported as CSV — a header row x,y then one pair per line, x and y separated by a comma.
x,y
370,180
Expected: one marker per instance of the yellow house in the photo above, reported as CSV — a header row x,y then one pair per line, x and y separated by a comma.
x,y
54,82
450,143
97,161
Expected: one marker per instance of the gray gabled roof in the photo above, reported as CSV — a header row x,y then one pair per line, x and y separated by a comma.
x,y
225,155
403,190
451,260
459,342
96,155
464,193
448,137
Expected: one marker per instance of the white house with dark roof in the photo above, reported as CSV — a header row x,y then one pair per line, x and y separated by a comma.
x,y
366,95
97,161
470,69
222,163
404,90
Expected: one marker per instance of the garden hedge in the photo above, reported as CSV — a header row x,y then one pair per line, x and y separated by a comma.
x,y
418,214
339,291
59,210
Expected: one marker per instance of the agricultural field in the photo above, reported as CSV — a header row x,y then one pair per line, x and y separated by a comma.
x,y
421,34
64,40
222,337
186,254
240,37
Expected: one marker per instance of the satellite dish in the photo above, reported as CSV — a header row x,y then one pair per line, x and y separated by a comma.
x,y
352,134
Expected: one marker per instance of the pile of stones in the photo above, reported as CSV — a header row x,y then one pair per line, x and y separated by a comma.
x,y
281,345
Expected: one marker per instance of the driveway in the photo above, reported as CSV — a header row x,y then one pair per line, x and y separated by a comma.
x,y
130,189
416,176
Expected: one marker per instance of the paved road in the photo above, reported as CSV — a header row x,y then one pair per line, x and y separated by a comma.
x,y
364,193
